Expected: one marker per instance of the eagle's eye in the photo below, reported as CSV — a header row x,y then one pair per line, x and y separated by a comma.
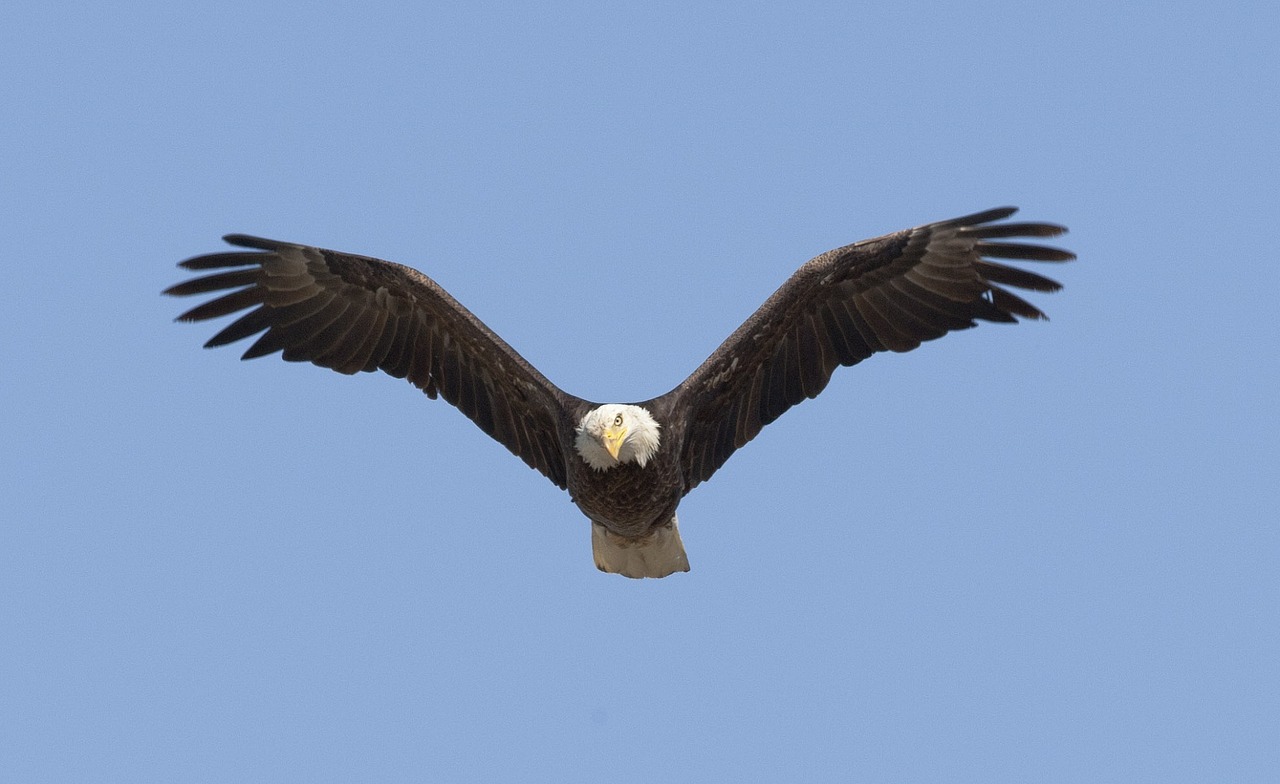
x,y
617,421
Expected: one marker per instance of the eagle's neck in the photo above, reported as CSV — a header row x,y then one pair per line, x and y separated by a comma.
x,y
638,446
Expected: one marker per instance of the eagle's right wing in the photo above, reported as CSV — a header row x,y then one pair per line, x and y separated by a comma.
x,y
354,313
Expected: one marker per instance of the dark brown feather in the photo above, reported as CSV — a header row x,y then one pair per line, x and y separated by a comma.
x,y
224,305
218,282
1010,250
237,258
1012,276
994,230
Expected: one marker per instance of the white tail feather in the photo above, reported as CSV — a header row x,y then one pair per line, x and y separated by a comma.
x,y
656,555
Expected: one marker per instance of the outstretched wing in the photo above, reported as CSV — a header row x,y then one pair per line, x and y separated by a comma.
x,y
889,293
353,313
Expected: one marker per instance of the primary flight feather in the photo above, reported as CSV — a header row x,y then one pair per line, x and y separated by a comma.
x,y
626,466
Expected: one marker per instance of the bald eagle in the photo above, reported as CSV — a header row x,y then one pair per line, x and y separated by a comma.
x,y
626,465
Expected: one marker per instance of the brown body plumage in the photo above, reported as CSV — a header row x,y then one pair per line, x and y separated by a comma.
x,y
627,499
353,313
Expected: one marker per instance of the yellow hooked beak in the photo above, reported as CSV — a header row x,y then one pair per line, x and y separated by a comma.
x,y
613,438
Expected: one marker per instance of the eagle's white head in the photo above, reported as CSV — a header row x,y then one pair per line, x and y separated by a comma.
x,y
615,433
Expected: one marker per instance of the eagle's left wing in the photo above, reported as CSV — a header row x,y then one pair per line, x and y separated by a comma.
x,y
889,293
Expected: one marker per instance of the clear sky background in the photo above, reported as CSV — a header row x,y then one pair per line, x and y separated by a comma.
x,y
1044,553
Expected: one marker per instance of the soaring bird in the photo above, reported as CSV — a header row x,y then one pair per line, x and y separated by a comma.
x,y
626,465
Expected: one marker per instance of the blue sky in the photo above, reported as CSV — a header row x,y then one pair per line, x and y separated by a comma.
x,y
1037,553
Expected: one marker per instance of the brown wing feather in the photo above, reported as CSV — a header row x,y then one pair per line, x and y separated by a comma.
x,y
353,313
889,293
